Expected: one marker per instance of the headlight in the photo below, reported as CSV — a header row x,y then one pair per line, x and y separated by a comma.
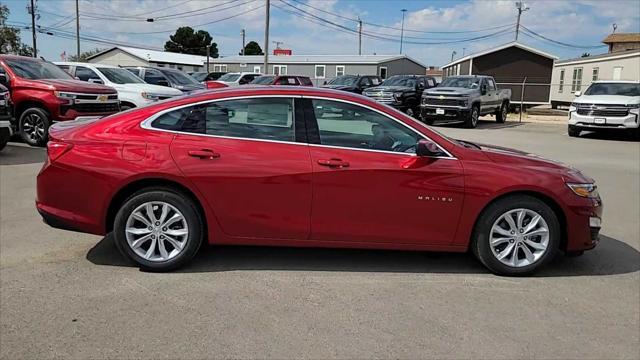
x,y
634,109
150,96
572,107
397,95
584,190
69,98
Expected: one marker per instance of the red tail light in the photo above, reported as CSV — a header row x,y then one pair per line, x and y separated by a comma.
x,y
215,85
55,149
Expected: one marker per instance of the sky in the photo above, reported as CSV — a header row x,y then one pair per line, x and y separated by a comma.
x,y
433,30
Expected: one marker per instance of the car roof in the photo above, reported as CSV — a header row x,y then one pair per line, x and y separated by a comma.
x,y
74,63
618,81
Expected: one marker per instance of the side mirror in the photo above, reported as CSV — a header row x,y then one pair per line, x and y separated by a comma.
x,y
4,80
578,93
95,81
426,147
325,82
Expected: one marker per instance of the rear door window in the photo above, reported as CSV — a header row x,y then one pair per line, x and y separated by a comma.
x,y
85,74
155,77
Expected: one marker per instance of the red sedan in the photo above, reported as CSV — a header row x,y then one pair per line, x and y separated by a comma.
x,y
295,166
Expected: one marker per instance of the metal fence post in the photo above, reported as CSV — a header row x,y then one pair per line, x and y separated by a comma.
x,y
522,97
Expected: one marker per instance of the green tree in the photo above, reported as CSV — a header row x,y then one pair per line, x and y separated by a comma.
x,y
252,48
10,37
188,41
84,55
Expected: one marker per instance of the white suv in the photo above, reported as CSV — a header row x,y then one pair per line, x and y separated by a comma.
x,y
132,91
610,104
236,79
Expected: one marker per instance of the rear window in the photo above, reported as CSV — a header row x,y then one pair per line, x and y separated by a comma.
x,y
305,81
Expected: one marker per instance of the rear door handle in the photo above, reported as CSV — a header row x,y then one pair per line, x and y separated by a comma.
x,y
333,163
204,154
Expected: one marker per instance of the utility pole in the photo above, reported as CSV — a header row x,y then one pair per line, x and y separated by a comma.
x,y
266,38
32,11
522,7
242,32
463,51
453,54
359,36
77,30
402,30
208,51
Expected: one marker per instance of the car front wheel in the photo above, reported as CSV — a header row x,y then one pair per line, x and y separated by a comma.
x,y
159,229
472,119
516,235
573,131
34,126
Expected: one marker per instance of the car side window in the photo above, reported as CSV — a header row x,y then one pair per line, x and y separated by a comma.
x,y
85,74
305,81
189,119
491,85
258,118
375,81
353,126
288,80
431,82
154,77
365,81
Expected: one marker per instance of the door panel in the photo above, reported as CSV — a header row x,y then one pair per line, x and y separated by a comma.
x,y
256,188
382,197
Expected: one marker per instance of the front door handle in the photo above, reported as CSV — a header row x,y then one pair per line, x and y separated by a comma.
x,y
338,163
204,154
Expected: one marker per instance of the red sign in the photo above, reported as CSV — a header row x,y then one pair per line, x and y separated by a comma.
x,y
279,52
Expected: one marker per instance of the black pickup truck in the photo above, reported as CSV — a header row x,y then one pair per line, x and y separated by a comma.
x,y
5,116
403,92
464,99
353,83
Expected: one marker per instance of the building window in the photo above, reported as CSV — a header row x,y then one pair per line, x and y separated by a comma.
x,y
383,72
594,74
256,70
319,71
561,81
279,69
576,83
220,68
339,70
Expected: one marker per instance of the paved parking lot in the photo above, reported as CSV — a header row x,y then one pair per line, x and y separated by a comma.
x,y
70,295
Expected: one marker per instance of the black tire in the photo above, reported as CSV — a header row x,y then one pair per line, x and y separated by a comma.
x,y
428,121
176,199
573,131
3,142
412,112
502,112
472,119
126,106
33,126
481,236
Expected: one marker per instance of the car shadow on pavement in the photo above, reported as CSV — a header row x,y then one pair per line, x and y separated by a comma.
x,y
611,257
615,135
483,124
17,155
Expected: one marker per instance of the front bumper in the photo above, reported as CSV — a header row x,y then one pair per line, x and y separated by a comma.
x,y
584,220
629,121
446,113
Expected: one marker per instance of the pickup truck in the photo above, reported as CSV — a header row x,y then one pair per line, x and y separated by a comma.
x,y
463,99
163,76
606,105
353,83
5,117
132,91
402,92
42,93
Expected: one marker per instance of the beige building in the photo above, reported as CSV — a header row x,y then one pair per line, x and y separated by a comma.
x,y
577,74
129,56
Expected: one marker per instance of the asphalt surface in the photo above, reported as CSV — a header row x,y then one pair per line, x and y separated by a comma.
x,y
70,295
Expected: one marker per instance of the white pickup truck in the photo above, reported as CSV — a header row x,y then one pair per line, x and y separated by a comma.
x,y
613,104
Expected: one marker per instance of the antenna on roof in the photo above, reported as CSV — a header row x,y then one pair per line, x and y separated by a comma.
x,y
615,27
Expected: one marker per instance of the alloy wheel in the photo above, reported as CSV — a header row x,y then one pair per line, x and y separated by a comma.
x,y
33,127
519,237
505,112
474,117
156,231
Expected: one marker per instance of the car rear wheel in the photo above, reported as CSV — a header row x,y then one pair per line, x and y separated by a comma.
x,y
516,235
472,119
502,113
160,230
34,126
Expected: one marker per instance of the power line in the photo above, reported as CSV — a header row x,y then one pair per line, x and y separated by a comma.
x,y
532,33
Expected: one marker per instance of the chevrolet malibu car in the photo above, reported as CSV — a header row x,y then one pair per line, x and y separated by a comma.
x,y
298,166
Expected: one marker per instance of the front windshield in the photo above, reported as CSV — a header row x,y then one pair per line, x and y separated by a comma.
x,y
120,76
230,77
199,76
399,81
263,80
179,78
620,89
461,82
36,69
344,80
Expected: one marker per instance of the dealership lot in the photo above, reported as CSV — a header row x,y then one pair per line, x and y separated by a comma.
x,y
65,294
